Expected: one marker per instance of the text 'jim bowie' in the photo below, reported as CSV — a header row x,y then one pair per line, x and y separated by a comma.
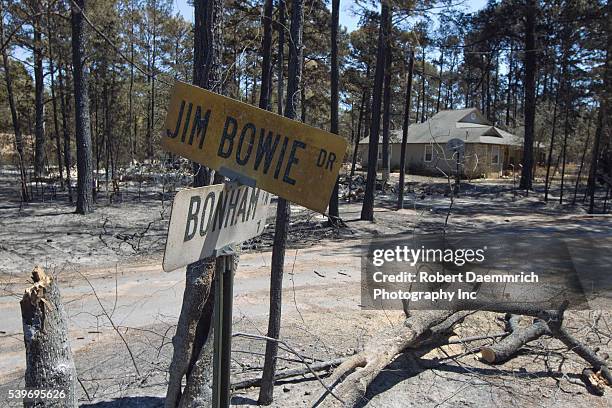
x,y
233,206
256,148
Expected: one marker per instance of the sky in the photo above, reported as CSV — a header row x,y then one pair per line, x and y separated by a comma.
x,y
347,17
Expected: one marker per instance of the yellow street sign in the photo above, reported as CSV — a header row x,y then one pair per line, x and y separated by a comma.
x,y
253,146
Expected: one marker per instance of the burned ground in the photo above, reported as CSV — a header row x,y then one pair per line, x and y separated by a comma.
x,y
118,250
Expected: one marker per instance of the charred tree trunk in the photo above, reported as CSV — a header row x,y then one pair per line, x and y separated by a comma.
x,y
58,144
193,341
364,98
39,93
266,64
334,213
423,78
530,89
440,80
367,211
584,151
65,108
603,123
25,196
400,195
131,136
81,112
49,361
550,148
282,23
386,160
595,159
564,156
283,212
509,89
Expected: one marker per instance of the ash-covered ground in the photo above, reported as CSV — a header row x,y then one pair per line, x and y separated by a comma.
x,y
118,251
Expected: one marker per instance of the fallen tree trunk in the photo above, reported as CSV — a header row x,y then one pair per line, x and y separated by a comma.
x,y
351,379
49,362
511,344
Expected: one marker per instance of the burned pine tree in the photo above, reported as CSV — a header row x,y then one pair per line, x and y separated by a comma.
x,y
334,212
386,158
283,211
531,11
400,195
193,340
367,211
85,187
25,196
39,103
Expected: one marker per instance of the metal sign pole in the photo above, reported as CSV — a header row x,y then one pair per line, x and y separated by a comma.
x,y
226,330
217,343
224,287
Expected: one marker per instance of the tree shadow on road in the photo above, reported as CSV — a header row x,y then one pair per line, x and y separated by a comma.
x,y
128,402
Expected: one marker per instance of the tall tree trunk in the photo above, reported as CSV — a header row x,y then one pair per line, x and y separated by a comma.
x,y
65,108
193,340
276,276
39,93
530,102
303,98
58,145
132,119
400,195
266,64
367,211
283,210
440,80
418,105
565,134
423,114
509,89
584,151
152,72
364,98
25,196
282,23
81,112
449,102
494,115
386,160
334,212
550,147
595,158
603,125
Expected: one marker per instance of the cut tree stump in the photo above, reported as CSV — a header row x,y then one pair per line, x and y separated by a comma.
x,y
49,361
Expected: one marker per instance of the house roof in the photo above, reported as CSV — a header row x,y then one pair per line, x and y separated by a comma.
x,y
468,125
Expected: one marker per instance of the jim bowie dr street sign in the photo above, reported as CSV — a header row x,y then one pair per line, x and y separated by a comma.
x,y
208,218
253,146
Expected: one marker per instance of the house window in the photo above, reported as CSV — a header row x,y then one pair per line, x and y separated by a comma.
x,y
494,154
428,153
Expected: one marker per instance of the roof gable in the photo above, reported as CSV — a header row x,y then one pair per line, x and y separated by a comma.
x,y
468,125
